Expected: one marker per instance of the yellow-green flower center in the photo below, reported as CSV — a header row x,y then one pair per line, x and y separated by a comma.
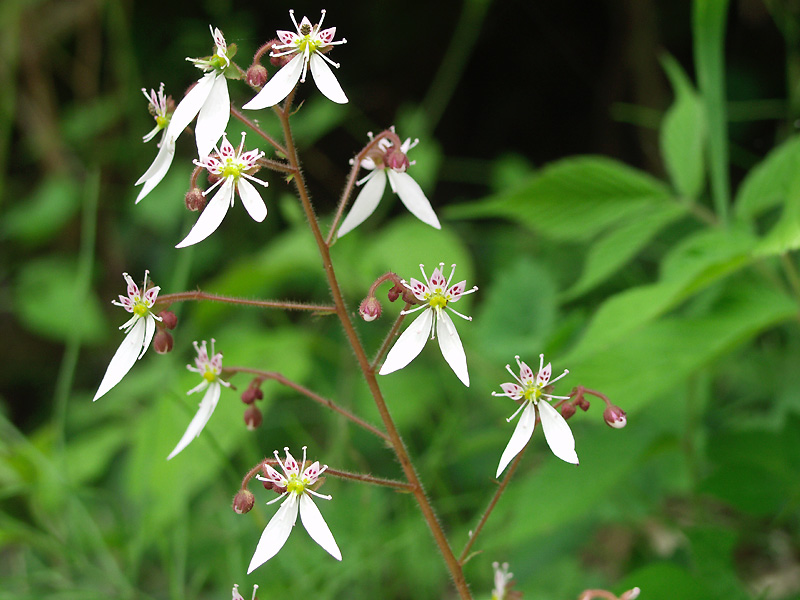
x,y
217,62
306,42
231,169
140,308
296,485
533,393
437,301
161,121
209,375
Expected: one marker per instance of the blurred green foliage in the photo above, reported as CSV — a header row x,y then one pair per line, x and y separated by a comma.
x,y
622,258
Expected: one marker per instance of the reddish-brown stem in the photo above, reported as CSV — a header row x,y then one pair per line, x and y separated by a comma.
x,y
389,338
258,131
275,165
465,556
168,299
351,178
397,443
311,395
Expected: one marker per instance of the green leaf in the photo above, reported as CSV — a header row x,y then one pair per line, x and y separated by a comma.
x,y
785,235
767,184
683,134
35,220
572,199
665,581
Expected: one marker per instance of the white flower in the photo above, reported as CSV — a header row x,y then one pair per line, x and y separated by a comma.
x,y
502,578
139,330
432,322
157,104
308,45
297,482
208,100
238,596
231,167
530,390
209,367
389,162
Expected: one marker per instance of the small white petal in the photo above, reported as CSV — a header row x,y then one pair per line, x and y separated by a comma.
x,y
521,436
316,527
326,81
124,358
409,344
156,171
207,406
279,86
252,200
557,433
191,104
212,215
276,533
414,198
366,202
213,117
150,331
452,350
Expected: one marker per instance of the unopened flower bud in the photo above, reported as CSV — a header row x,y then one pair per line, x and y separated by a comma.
x,y
168,319
567,410
584,404
370,309
249,395
396,159
162,342
257,75
253,418
243,501
195,201
393,294
615,417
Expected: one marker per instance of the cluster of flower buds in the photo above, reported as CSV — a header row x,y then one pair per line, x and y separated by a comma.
x,y
252,415
163,342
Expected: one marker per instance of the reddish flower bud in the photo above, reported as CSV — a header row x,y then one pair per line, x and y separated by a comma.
x,y
615,417
393,294
195,201
257,75
395,159
584,404
249,395
370,308
243,501
567,410
253,418
168,319
162,342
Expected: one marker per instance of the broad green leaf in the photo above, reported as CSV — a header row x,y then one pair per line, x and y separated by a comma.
x,y
683,134
37,218
666,581
572,199
767,184
785,235
615,248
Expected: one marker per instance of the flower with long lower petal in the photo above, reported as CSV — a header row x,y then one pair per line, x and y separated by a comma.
x,y
209,368
529,390
139,330
231,167
208,100
161,107
308,47
502,581
389,162
297,482
436,294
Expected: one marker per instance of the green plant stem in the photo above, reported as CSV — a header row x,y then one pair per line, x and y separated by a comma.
x,y
465,555
311,395
398,445
791,274
168,299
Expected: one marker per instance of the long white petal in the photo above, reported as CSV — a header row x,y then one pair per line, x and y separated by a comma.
x,y
252,200
124,358
191,104
557,433
317,528
279,86
366,202
521,436
213,117
409,344
159,167
326,81
212,215
276,533
414,198
452,350
149,332
207,406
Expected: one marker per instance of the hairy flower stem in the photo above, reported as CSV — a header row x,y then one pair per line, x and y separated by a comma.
x,y
312,395
453,566
168,299
256,129
465,555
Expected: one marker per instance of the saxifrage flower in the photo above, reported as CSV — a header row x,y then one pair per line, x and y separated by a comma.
x,y
139,330
389,162
209,368
208,100
308,46
231,167
297,481
529,389
436,295
161,108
